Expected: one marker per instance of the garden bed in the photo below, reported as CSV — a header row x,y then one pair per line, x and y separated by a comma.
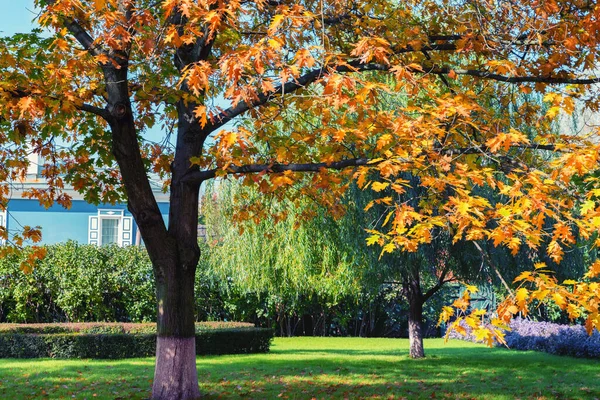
x,y
123,340
547,337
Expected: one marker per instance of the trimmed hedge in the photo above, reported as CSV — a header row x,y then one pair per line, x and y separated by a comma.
x,y
111,327
113,340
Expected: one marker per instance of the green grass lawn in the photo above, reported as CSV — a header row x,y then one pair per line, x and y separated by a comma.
x,y
324,368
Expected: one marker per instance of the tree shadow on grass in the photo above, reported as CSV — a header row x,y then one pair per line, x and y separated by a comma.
x,y
75,379
447,372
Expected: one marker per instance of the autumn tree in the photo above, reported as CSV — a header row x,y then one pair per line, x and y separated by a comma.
x,y
86,92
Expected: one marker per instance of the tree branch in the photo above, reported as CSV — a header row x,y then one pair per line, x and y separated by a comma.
x,y
198,177
441,281
486,149
553,80
19,93
84,38
101,112
357,66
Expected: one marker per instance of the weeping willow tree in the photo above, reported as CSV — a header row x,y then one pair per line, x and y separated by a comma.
x,y
287,255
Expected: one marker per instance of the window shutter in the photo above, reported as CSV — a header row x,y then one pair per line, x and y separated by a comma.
x,y
94,230
126,231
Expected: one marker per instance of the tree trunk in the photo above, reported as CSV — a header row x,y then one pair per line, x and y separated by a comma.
x,y
412,290
415,327
175,375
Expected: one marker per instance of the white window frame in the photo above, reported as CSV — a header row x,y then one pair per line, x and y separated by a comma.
x,y
3,217
124,230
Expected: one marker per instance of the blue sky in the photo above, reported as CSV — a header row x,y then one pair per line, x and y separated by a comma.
x,y
16,16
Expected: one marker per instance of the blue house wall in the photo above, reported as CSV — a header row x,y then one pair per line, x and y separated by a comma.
x,y
60,224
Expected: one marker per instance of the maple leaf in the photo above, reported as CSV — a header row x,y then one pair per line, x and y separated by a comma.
x,y
379,186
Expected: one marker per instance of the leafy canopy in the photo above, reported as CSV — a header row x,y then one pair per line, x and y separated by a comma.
x,y
312,76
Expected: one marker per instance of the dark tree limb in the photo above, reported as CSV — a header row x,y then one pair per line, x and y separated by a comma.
x,y
82,36
101,112
440,283
197,177
201,176
553,80
486,150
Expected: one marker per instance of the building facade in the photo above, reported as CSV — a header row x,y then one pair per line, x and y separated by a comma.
x,y
83,222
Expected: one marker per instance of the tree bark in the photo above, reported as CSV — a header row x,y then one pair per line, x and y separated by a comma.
x,y
416,299
175,375
415,327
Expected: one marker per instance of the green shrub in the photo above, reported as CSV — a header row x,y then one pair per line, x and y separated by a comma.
x,y
77,282
113,340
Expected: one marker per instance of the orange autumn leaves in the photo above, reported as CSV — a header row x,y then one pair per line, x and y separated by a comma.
x,y
426,89
578,299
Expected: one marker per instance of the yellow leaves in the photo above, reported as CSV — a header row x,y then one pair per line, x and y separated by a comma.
x,y
25,106
587,206
371,240
595,222
172,36
521,297
60,44
379,186
591,322
213,18
559,300
573,311
383,141
594,270
463,208
304,59
276,22
524,276
446,314
283,179
559,103
276,44
228,139
388,248
506,140
539,265
482,334
462,302
361,176
555,251
503,67
197,77
36,253
471,288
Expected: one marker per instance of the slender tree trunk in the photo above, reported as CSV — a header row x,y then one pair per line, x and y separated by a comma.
x,y
412,290
415,326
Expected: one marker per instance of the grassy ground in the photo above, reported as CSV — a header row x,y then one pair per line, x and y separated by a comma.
x,y
324,368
